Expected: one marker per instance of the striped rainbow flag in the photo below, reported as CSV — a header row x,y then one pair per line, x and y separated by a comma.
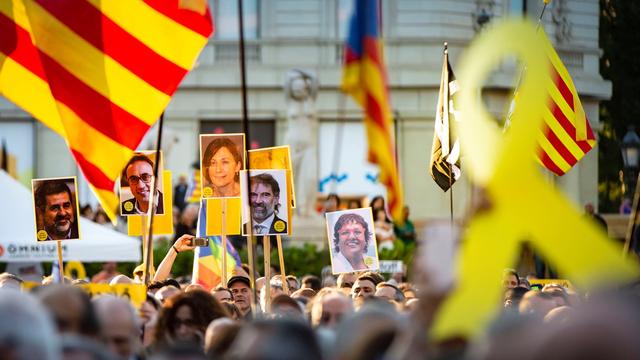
x,y
99,73
207,261
364,78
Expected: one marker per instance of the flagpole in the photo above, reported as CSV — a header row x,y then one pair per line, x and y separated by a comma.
x,y
151,210
245,130
446,61
224,242
60,264
628,245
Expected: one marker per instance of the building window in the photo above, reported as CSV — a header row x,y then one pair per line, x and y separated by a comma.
x,y
263,132
226,14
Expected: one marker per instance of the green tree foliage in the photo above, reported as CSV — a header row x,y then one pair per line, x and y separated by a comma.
x,y
619,29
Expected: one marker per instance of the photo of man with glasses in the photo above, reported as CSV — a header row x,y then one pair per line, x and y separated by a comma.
x,y
138,175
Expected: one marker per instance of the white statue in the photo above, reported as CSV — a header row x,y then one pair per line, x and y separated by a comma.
x,y
301,90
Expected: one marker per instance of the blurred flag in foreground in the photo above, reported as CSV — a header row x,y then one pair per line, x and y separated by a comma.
x,y
99,73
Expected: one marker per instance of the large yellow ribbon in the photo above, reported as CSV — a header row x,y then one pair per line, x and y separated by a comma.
x,y
524,206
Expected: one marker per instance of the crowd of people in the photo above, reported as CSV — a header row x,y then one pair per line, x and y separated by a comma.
x,y
358,316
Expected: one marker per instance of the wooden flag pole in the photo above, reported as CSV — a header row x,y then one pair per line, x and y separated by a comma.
x,y
224,242
151,211
60,264
266,245
245,129
283,274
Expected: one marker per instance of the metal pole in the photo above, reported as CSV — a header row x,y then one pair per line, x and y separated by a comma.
x,y
245,130
151,211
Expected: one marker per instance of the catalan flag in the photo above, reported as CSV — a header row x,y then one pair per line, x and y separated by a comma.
x,y
566,135
207,261
445,153
99,73
364,78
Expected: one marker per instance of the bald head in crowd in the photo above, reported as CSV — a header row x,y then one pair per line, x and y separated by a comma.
x,y
120,326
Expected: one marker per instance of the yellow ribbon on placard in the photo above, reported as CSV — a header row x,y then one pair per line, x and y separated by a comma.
x,y
524,207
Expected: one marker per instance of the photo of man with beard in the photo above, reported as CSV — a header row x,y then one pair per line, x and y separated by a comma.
x,y
351,241
56,209
267,202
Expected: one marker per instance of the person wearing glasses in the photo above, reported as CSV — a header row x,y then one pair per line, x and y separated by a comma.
x,y
139,171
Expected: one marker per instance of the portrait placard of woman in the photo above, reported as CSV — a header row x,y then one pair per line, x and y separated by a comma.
x,y
222,158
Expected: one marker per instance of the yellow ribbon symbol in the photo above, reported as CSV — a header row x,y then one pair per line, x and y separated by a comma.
x,y
524,206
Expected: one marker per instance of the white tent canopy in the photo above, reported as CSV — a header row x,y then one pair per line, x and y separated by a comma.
x,y
18,241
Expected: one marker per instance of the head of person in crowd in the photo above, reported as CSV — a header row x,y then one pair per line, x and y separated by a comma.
x,y
311,282
513,296
26,330
329,307
281,339
375,276
283,306
78,347
10,281
390,292
154,286
222,294
364,286
120,279
536,304
86,211
558,292
332,203
293,283
120,326
220,334
560,314
240,287
354,204
149,308
345,282
382,325
139,172
185,317
377,203
275,289
71,309
232,309
179,351
408,290
303,295
222,164
510,279
166,292
54,201
193,287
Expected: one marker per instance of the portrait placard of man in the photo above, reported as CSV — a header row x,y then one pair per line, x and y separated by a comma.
x,y
265,207
352,241
56,209
136,183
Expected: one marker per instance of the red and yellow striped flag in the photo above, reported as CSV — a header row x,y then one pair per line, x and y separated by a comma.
x,y
566,136
99,73
364,78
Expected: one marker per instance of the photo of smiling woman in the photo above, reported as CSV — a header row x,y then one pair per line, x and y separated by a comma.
x,y
352,241
221,161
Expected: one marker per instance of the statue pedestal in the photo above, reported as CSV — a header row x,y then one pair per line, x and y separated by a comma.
x,y
308,230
